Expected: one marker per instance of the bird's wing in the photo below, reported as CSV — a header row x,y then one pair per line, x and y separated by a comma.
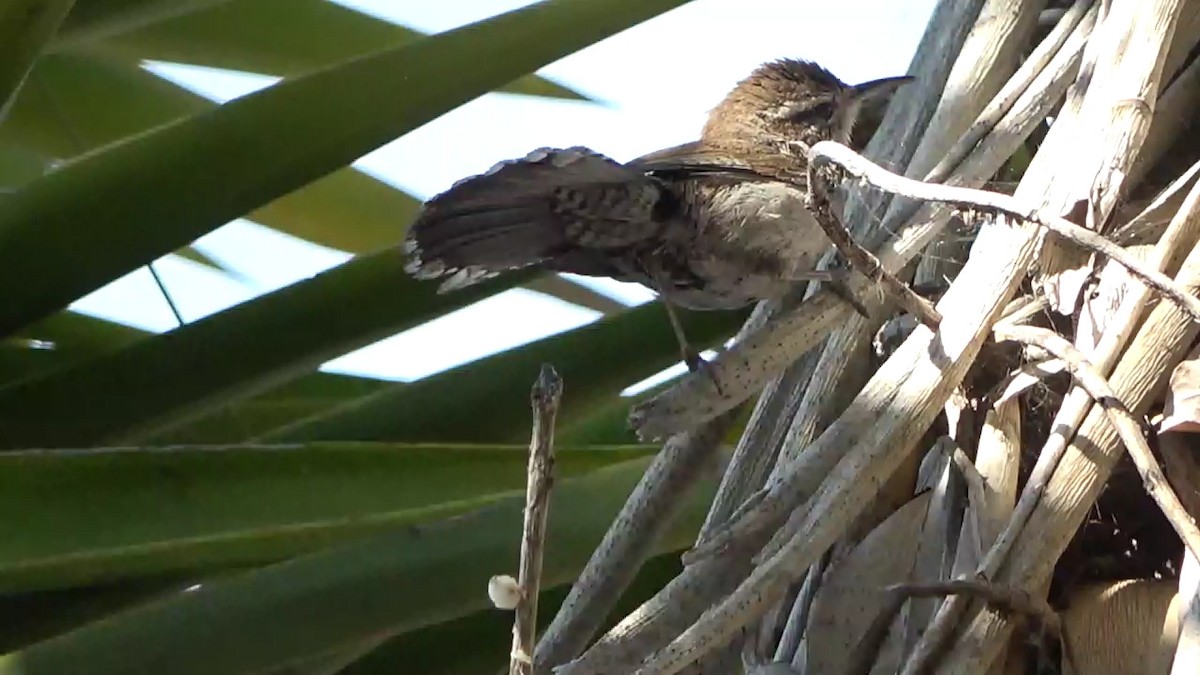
x,y
699,160
526,211
691,160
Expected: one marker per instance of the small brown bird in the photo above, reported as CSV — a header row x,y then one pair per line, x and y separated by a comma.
x,y
690,222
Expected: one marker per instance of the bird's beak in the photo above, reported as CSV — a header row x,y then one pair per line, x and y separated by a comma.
x,y
865,105
879,90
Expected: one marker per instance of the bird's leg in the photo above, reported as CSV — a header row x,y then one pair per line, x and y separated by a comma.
x,y
837,279
690,356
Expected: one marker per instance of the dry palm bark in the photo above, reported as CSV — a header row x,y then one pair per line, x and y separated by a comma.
x,y
838,443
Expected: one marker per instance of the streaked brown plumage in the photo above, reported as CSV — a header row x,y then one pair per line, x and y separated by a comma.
x,y
682,221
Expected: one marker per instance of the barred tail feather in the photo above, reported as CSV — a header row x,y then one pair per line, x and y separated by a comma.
x,y
504,219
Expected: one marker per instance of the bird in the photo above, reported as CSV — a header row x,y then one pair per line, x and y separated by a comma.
x,y
696,223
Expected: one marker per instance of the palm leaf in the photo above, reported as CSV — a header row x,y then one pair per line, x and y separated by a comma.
x,y
156,192
396,582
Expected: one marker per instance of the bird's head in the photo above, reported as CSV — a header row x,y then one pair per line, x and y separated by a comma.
x,y
793,100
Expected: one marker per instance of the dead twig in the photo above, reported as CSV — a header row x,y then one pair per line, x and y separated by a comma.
x,y
1008,600
545,397
820,187
1122,421
1004,599
828,153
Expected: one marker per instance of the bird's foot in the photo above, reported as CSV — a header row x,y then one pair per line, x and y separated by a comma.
x,y
930,290
697,364
838,286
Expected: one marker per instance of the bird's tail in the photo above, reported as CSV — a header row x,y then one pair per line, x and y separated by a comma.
x,y
505,219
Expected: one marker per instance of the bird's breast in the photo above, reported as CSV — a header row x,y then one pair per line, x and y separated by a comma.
x,y
756,216
747,241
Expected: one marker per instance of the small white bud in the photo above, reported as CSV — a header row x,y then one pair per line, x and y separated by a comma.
x,y
504,591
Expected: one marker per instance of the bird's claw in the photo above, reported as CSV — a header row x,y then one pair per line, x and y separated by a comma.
x,y
697,364
840,288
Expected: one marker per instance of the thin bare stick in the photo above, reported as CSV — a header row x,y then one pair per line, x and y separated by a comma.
x,y
1009,600
828,153
545,397
860,258
1122,420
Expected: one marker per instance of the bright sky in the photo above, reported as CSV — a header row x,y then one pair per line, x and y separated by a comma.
x,y
657,81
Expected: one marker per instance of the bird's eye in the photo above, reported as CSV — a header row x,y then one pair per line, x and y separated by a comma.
x,y
823,110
